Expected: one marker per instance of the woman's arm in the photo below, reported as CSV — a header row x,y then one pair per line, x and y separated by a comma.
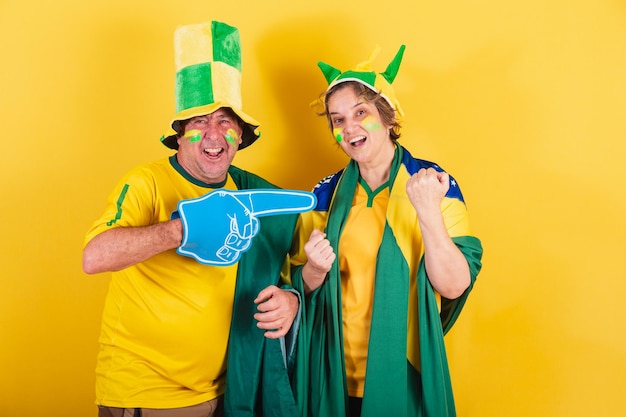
x,y
446,266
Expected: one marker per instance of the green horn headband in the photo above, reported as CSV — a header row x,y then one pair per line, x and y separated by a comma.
x,y
363,73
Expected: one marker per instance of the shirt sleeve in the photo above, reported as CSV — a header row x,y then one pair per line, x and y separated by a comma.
x,y
128,205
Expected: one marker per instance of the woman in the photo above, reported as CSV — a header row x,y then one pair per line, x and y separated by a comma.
x,y
390,273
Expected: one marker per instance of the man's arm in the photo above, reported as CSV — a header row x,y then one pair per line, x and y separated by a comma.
x,y
122,247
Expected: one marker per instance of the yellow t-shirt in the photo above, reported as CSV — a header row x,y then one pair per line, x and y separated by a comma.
x,y
166,320
358,249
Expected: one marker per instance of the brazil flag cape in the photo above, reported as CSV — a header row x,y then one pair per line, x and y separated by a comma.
x,y
393,385
257,380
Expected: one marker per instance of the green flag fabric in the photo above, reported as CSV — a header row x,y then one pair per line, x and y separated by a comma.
x,y
257,375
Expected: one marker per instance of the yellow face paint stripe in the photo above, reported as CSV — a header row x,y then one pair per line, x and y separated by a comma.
x,y
370,123
193,135
231,136
338,134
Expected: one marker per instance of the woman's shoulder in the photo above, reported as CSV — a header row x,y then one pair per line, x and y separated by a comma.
x,y
414,164
325,189
329,181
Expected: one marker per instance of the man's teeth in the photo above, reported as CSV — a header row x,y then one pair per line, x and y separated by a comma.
x,y
212,151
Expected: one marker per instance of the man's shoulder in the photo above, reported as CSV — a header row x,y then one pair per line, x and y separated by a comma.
x,y
246,179
153,166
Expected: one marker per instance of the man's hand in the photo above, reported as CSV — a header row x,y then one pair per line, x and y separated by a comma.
x,y
277,310
219,227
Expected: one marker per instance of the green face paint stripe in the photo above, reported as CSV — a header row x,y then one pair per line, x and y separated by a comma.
x,y
230,136
337,133
370,124
119,202
194,135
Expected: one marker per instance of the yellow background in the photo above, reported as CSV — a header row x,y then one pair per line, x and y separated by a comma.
x,y
522,101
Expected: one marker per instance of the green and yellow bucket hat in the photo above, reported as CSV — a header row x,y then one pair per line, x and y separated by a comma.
x,y
208,76
363,73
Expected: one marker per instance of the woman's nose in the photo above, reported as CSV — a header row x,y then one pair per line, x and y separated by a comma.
x,y
348,125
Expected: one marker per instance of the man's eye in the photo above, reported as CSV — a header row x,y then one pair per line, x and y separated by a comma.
x,y
360,112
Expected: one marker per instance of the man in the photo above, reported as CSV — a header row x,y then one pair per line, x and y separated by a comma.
x,y
169,319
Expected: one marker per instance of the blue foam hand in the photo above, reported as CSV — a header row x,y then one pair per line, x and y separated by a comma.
x,y
219,227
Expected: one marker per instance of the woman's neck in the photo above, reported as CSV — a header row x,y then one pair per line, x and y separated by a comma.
x,y
377,172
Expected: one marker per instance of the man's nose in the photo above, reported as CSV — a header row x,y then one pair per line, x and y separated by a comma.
x,y
212,131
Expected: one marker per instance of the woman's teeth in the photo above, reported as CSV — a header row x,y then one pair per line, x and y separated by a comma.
x,y
356,139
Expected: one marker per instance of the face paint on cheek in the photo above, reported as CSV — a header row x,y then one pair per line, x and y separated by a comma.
x,y
193,135
338,134
370,124
231,136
